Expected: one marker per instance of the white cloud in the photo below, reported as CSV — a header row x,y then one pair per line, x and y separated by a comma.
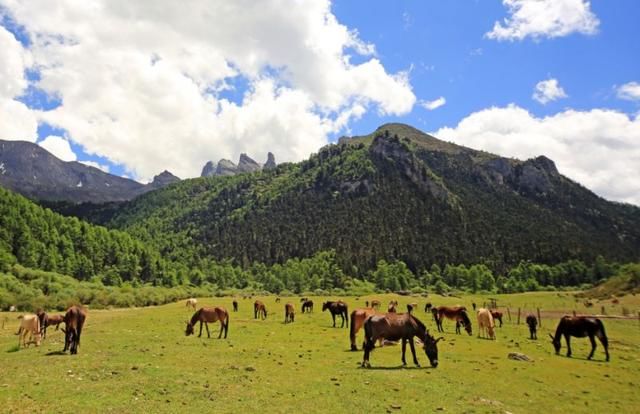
x,y
545,18
140,82
629,91
547,91
97,165
59,147
431,105
17,122
597,148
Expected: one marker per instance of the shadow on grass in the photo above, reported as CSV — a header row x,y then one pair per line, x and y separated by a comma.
x,y
14,348
399,367
55,353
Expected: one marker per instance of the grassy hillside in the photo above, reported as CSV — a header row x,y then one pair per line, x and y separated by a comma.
x,y
625,282
139,361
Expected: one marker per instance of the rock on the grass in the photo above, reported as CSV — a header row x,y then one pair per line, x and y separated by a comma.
x,y
517,356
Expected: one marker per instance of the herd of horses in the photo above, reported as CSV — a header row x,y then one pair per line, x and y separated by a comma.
x,y
405,327
35,327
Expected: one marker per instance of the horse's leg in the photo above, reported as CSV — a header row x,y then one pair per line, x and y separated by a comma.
x,y
221,328
457,327
206,325
404,349
333,316
200,334
593,346
413,352
567,338
605,343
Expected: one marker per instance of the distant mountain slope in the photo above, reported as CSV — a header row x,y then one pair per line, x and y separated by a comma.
x,y
32,171
397,193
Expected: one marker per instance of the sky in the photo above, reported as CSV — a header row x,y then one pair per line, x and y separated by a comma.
x,y
135,88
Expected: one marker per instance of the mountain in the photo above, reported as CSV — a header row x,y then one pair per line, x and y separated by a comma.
x,y
245,165
32,171
397,193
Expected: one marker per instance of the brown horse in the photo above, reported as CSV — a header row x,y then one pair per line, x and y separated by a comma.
x,y
375,304
497,315
259,310
47,320
206,315
337,308
456,313
533,323
289,313
428,306
235,305
277,300
394,327
411,307
307,306
580,327
73,321
392,306
358,318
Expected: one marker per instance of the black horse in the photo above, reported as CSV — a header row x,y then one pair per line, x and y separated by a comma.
x,y
580,326
307,306
396,326
533,323
337,308
235,305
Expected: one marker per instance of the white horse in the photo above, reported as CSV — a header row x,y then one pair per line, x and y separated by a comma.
x,y
29,325
486,325
191,303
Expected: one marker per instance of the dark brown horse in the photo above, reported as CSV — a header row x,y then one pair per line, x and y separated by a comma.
x,y
428,306
307,306
235,305
394,327
392,308
277,300
206,315
337,308
580,326
289,313
358,318
73,321
259,310
411,307
47,320
533,323
455,313
497,315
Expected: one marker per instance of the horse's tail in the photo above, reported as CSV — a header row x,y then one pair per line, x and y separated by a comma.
x,y
226,322
600,333
352,330
346,315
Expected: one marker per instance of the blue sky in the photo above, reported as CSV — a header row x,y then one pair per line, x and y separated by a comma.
x,y
136,88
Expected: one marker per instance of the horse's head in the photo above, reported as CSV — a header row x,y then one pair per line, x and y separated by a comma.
x,y
556,343
189,330
431,348
325,306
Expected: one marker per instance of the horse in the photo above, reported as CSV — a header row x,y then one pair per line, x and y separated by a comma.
x,y
289,313
303,299
259,310
392,307
580,327
411,307
207,315
456,313
473,304
47,320
235,305
375,304
307,306
337,308
358,318
588,304
277,300
394,327
497,315
486,325
29,326
73,321
191,303
427,307
533,323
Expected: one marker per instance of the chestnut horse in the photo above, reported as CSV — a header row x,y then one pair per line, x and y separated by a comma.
x,y
393,327
580,326
47,320
337,308
307,306
207,315
289,313
533,323
259,310
375,304
73,321
456,313
497,315
358,318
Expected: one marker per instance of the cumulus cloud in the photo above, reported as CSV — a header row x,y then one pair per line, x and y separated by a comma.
x,y
94,164
435,104
547,91
629,91
59,147
597,148
545,18
17,122
143,83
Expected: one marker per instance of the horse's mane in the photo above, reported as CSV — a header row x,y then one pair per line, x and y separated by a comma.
x,y
417,321
195,316
465,317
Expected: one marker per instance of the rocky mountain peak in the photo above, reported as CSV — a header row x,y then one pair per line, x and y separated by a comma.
x,y
226,167
209,169
271,162
247,164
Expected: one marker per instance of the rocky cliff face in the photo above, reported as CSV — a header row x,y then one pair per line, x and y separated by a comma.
x,y
245,165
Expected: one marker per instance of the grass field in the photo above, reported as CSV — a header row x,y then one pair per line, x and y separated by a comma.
x,y
139,360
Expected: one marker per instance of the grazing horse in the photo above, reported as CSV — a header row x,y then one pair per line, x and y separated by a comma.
x,y
206,315
277,300
73,321
456,313
47,320
580,327
29,326
497,315
358,318
533,323
191,303
289,313
486,325
375,304
337,308
303,299
392,307
259,310
307,306
427,307
473,304
411,307
235,305
394,327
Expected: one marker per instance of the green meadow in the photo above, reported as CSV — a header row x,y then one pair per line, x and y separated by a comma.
x,y
138,360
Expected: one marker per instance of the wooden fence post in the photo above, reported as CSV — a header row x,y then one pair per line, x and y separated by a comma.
x,y
518,316
509,314
602,310
539,318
